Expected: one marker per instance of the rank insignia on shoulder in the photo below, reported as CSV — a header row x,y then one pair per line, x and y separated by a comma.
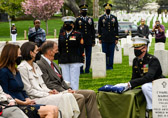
x,y
72,38
81,41
145,68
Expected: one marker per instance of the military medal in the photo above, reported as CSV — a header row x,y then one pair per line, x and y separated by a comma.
x,y
90,21
145,68
80,23
72,38
103,22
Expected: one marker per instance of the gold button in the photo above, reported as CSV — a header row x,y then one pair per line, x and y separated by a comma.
x,y
136,71
66,47
109,30
140,62
85,32
66,43
66,40
67,51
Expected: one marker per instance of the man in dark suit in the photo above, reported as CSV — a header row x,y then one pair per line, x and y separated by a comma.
x,y
108,34
85,25
143,30
145,69
53,79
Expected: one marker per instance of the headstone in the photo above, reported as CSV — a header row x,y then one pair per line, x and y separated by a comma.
x,y
131,55
129,39
162,55
98,65
55,33
159,46
123,41
126,49
166,33
96,48
150,39
25,35
118,55
160,98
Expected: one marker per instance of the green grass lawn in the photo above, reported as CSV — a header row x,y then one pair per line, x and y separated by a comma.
x,y
24,25
120,74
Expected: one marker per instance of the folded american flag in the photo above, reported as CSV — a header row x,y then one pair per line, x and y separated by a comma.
x,y
112,88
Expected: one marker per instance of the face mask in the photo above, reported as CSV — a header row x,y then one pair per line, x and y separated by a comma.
x,y
68,27
137,52
84,13
107,11
18,60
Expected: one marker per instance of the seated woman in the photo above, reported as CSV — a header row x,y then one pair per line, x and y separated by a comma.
x,y
36,88
11,82
8,110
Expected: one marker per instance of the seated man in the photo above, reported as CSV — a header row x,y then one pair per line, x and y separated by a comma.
x,y
53,79
145,69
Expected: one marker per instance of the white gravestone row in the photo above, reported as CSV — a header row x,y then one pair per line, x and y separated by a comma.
x,y
126,49
160,98
162,55
123,41
159,46
118,55
98,65
131,55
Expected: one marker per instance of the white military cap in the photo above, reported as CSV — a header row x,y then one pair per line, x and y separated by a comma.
x,y
139,41
13,23
68,19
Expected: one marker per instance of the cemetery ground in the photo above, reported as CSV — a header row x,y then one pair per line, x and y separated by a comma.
x,y
120,74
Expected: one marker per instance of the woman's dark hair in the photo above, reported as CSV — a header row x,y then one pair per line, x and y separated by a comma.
x,y
8,56
46,46
25,50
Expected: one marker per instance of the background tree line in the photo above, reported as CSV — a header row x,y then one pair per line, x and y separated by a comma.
x,y
13,7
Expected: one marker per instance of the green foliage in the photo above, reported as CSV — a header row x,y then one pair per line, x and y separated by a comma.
x,y
12,7
162,2
130,5
55,23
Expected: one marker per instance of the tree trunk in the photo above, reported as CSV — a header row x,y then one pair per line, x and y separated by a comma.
x,y
72,5
83,2
46,26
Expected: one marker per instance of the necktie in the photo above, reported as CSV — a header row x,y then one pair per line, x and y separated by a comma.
x,y
52,66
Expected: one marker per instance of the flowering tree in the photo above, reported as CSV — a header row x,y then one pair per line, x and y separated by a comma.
x,y
42,9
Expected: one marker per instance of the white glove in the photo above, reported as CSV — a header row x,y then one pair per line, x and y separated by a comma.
x,y
125,85
121,85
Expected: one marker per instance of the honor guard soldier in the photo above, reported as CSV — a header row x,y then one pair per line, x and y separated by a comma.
x,y
108,34
145,69
85,25
71,52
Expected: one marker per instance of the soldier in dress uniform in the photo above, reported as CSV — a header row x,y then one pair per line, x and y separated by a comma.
x,y
108,34
13,32
71,52
145,69
85,25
